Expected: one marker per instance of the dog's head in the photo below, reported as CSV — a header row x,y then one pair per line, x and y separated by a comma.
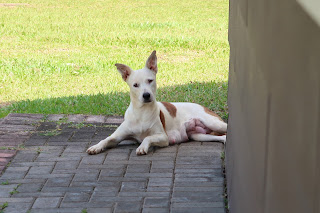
x,y
142,82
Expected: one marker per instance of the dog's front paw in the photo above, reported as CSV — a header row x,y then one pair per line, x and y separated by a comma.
x,y
142,150
96,149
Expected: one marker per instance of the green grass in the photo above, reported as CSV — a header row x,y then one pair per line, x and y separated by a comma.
x,y
5,183
3,206
15,191
54,132
59,56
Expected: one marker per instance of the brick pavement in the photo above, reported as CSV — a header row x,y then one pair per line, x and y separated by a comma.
x,y
51,172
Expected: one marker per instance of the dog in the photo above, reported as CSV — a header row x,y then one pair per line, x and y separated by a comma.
x,y
153,123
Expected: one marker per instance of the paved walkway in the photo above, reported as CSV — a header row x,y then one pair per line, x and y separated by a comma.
x,y
49,170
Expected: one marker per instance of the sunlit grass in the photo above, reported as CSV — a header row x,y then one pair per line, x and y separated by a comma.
x,y
59,56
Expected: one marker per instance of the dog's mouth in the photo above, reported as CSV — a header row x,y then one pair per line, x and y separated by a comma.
x,y
147,101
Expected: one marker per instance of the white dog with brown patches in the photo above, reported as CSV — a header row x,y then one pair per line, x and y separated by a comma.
x,y
155,123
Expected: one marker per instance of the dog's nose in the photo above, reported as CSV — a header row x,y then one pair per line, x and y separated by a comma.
x,y
146,96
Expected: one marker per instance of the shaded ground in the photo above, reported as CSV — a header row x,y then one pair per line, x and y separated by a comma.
x,y
50,171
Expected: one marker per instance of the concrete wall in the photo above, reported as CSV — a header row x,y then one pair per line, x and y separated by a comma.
x,y
273,141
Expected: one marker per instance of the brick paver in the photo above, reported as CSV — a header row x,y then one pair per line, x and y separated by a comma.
x,y
49,170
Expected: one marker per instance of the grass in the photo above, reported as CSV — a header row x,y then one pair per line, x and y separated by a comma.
x,y
20,147
59,56
3,206
5,183
53,132
15,191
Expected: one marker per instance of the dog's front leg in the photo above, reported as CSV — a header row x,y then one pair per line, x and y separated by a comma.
x,y
160,140
119,135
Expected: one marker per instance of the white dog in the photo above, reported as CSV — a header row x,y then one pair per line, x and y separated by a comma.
x,y
155,123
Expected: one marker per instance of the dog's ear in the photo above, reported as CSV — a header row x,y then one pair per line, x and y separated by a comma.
x,y
124,70
152,62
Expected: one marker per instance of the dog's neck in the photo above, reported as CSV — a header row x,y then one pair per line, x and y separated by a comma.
x,y
145,111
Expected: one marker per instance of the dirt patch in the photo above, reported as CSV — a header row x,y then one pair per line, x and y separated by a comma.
x,y
14,5
178,58
4,104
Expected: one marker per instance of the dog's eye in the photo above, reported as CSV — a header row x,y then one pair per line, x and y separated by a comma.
x,y
136,85
150,81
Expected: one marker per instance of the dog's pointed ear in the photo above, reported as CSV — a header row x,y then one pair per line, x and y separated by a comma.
x,y
124,70
152,62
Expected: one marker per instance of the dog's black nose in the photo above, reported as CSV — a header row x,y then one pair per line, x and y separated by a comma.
x,y
146,96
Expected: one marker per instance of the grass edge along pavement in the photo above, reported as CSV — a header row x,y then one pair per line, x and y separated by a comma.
x,y
159,177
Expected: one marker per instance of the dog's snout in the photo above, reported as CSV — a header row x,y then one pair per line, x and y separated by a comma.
x,y
146,96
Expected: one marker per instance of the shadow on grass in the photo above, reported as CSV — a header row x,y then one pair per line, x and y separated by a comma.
x,y
210,94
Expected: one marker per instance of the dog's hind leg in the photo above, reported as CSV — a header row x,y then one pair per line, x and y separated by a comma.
x,y
110,142
207,137
214,124
203,129
160,140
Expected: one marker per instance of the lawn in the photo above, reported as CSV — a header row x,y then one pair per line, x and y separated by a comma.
x,y
59,56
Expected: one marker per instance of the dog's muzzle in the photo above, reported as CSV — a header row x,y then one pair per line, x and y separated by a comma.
x,y
146,97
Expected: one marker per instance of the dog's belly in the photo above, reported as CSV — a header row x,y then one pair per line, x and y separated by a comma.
x,y
186,129
177,136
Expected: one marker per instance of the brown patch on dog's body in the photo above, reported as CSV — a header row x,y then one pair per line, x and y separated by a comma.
x,y
208,111
171,108
217,133
163,120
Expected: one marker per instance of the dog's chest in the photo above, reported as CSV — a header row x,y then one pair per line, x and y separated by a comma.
x,y
141,130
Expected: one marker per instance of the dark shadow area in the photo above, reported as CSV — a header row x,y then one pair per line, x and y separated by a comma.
x,y
210,94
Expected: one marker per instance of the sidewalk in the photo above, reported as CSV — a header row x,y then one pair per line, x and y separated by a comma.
x,y
49,170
